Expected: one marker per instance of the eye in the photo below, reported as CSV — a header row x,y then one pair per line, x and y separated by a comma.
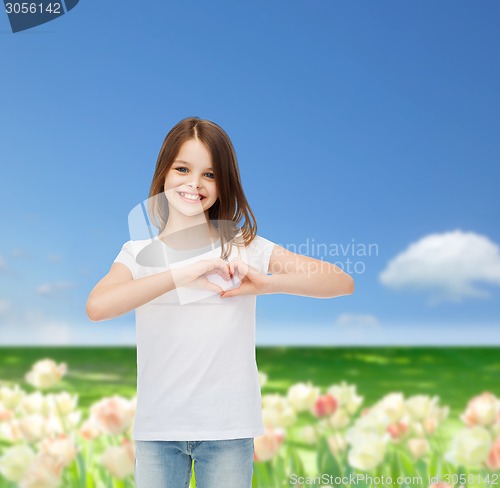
x,y
181,168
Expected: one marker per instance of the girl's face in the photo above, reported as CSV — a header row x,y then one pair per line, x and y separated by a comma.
x,y
190,182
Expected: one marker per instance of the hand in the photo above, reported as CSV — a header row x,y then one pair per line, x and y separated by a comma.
x,y
253,282
195,275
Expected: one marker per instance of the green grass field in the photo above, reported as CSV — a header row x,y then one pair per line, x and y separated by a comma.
x,y
453,373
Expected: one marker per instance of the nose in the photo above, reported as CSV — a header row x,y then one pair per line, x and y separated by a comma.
x,y
194,184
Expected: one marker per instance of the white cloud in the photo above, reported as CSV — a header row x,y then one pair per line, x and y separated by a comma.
x,y
386,334
446,265
355,326
53,289
19,253
357,320
4,306
33,327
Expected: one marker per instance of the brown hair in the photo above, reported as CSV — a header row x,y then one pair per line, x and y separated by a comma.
x,y
231,204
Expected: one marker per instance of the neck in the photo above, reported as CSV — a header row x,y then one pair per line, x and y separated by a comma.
x,y
189,232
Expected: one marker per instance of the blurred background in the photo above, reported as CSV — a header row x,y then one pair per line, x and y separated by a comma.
x,y
367,135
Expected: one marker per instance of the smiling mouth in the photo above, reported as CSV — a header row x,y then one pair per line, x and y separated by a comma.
x,y
191,196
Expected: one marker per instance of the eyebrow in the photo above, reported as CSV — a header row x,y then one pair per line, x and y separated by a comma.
x,y
185,162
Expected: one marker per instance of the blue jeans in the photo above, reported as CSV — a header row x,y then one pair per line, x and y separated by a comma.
x,y
217,464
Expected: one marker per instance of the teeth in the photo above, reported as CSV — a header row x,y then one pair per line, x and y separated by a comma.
x,y
190,197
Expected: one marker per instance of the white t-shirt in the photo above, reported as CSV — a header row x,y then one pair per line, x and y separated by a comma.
x,y
197,376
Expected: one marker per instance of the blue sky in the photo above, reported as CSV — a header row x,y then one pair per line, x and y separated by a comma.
x,y
353,122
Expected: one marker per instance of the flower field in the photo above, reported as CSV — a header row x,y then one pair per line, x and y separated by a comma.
x,y
334,417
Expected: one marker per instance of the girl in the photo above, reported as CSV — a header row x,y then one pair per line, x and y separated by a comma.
x,y
194,288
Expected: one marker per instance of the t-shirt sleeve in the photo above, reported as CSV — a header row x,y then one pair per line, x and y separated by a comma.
x,y
259,253
126,256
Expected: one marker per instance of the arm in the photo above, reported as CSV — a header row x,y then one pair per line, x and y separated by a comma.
x,y
118,293
292,274
295,274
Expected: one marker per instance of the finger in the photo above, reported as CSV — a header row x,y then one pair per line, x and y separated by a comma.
x,y
212,286
230,293
247,270
219,266
238,263
215,288
232,266
225,270
206,284
243,289
241,268
224,273
216,263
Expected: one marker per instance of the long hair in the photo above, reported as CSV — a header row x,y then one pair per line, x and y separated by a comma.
x,y
231,205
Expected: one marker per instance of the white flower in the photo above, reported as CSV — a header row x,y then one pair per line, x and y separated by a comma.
x,y
14,462
346,396
46,373
336,443
119,460
10,431
421,406
418,429
481,410
267,445
53,426
339,419
44,471
418,446
308,434
470,447
5,413
301,396
91,429
10,397
262,379
439,413
60,425
374,422
393,405
368,451
273,401
62,403
73,419
113,414
273,417
276,411
32,427
35,402
61,448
